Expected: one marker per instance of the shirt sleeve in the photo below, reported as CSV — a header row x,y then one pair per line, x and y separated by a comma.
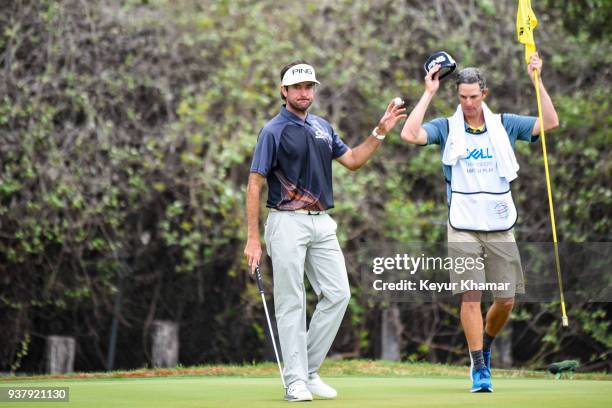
x,y
436,130
264,157
338,146
519,127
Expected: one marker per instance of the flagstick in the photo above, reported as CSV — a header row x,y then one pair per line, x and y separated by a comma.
x,y
564,319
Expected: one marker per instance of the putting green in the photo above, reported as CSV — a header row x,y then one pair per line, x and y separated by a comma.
x,y
354,392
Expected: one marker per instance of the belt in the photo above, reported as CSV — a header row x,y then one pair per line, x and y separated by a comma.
x,y
309,212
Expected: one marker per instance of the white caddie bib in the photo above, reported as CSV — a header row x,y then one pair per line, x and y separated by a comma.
x,y
481,200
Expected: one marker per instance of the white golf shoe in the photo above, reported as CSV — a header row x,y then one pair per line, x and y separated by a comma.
x,y
297,391
316,386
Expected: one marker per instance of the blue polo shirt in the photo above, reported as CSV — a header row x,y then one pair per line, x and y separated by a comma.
x,y
296,156
518,127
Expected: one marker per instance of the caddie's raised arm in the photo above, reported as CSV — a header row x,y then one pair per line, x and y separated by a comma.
x,y
413,132
549,114
438,66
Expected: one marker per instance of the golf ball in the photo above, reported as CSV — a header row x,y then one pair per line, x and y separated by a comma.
x,y
398,101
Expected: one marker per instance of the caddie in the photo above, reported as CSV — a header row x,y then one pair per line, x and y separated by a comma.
x,y
477,148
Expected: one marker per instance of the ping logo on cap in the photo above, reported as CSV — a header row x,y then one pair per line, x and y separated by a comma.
x,y
296,71
299,73
447,63
439,59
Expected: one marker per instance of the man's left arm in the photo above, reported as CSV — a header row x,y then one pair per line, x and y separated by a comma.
x,y
353,159
549,114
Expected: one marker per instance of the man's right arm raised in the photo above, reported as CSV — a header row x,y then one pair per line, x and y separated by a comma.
x,y
413,131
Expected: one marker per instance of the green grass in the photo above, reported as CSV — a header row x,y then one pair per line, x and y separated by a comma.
x,y
366,368
354,392
360,384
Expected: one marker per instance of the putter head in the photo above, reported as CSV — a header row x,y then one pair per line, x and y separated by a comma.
x,y
566,366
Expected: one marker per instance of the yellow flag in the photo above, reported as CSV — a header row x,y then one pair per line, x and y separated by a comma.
x,y
526,21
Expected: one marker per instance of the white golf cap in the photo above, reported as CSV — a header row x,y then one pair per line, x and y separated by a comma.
x,y
299,73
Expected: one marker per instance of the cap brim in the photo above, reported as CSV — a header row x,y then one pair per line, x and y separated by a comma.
x,y
446,71
299,81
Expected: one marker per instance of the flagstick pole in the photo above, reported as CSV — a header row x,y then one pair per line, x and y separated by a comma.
x,y
564,319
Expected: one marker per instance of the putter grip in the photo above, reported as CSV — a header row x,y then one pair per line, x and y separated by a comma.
x,y
259,280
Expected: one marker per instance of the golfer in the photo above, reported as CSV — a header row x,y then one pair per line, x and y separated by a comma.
x,y
478,159
294,154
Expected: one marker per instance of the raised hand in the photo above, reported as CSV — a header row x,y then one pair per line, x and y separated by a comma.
x,y
391,116
535,62
432,79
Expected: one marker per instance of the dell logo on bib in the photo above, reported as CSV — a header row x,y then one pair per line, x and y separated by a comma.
x,y
477,154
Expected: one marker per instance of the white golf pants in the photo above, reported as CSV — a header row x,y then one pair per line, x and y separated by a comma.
x,y
299,243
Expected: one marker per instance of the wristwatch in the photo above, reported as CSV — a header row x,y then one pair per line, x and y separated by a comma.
x,y
378,135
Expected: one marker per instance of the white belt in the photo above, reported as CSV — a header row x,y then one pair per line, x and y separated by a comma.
x,y
309,212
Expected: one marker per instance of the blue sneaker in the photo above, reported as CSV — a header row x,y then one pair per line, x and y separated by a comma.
x,y
481,380
487,358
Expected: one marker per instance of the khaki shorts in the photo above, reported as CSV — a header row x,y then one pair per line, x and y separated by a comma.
x,y
497,267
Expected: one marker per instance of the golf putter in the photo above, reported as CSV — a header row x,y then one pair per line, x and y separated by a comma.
x,y
263,298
